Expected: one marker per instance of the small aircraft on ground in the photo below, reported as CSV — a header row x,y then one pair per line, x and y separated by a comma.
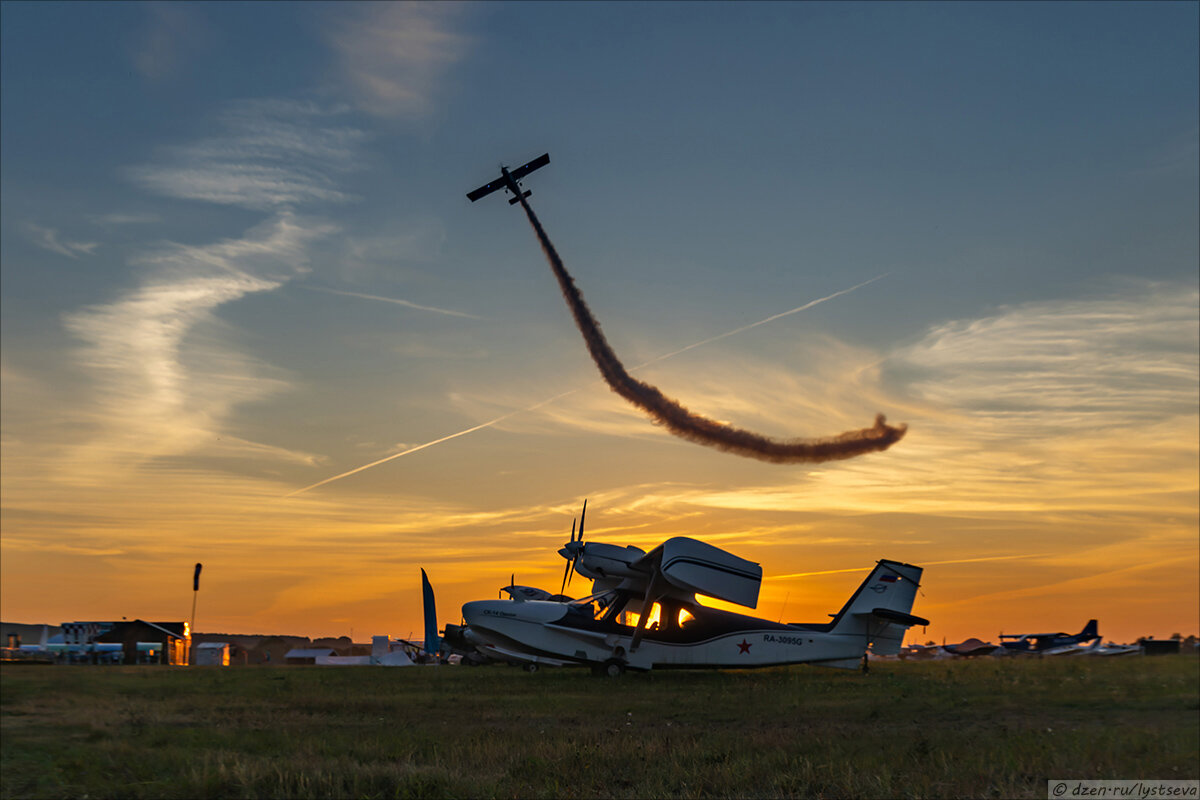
x,y
643,614
510,180
1045,643
1098,648
970,647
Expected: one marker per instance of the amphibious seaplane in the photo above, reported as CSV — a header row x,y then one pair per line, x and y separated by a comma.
x,y
643,614
510,180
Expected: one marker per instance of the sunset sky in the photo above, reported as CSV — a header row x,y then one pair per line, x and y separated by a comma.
x,y
238,262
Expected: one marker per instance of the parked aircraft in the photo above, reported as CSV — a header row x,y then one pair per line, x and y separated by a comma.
x,y
510,180
921,652
643,614
970,647
1045,642
1111,649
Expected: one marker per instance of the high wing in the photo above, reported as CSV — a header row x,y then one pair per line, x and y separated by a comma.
x,y
525,169
487,188
508,178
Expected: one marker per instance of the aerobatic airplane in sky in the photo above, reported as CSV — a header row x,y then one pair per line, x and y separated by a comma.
x,y
510,180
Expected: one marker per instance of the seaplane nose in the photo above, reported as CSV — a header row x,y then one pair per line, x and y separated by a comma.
x,y
473,611
482,612
490,613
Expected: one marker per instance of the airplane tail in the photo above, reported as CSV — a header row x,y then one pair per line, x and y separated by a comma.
x,y
879,610
1090,631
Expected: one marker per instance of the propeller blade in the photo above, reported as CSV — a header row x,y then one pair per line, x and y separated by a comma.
x,y
566,568
581,518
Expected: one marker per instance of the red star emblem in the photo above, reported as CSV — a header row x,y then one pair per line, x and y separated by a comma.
x,y
744,647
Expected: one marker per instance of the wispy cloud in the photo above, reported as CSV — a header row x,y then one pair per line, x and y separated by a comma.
x,y
122,219
1063,407
39,544
1070,365
272,154
159,389
393,57
50,240
170,34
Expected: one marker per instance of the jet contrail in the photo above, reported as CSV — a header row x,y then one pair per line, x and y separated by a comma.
x,y
393,300
923,564
561,395
415,448
693,427
771,318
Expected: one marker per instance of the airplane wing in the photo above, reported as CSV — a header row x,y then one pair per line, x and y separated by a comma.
x,y
525,169
486,189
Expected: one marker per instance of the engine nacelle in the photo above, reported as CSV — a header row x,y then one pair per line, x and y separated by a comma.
x,y
600,560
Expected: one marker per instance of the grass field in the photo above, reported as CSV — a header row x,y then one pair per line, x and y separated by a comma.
x,y
983,728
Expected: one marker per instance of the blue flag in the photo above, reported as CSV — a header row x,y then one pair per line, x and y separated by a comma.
x,y
433,643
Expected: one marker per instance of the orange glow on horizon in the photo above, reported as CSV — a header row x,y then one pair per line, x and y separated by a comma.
x,y
1038,523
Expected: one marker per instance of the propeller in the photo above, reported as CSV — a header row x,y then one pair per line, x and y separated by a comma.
x,y
582,517
570,560
572,550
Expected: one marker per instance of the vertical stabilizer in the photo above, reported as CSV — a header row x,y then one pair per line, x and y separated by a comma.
x,y
880,610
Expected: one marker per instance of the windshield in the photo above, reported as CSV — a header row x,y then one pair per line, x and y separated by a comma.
x,y
602,599
595,605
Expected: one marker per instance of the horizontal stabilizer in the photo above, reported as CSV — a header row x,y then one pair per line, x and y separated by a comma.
x,y
890,615
515,200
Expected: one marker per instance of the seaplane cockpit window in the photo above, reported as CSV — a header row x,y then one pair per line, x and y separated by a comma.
x,y
652,622
685,617
595,604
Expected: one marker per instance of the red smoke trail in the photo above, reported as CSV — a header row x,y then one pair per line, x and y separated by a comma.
x,y
682,422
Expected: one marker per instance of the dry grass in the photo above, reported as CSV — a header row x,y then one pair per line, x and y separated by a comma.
x,y
984,728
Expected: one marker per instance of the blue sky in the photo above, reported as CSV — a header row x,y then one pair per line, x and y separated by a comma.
x,y
238,260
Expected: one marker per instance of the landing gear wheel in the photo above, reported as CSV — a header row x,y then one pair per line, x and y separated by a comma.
x,y
613,668
531,667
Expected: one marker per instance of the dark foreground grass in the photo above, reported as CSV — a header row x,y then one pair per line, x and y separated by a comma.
x,y
984,728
